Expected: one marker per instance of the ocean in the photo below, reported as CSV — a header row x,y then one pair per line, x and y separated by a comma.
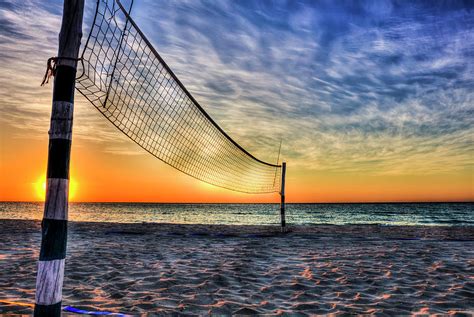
x,y
432,214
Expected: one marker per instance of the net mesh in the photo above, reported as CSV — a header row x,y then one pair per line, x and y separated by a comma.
x,y
129,83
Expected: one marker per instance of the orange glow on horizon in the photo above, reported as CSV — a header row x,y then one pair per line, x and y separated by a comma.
x,y
98,176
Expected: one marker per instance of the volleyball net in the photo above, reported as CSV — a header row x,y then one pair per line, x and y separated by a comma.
x,y
126,79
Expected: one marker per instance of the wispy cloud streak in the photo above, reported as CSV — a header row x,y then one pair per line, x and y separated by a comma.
x,y
382,87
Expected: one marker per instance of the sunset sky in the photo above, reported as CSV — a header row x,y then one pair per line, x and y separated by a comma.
x,y
374,100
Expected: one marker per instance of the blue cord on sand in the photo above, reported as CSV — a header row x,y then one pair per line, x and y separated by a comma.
x,y
89,312
69,309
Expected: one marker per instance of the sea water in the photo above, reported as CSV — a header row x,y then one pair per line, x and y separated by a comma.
x,y
256,214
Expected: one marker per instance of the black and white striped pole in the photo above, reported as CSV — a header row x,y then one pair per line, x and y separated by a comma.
x,y
49,281
282,195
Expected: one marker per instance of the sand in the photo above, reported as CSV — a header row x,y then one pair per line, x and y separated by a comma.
x,y
204,269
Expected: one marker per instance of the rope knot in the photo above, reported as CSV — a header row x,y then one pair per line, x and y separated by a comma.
x,y
51,67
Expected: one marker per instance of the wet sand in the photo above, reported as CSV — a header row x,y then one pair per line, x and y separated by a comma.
x,y
213,269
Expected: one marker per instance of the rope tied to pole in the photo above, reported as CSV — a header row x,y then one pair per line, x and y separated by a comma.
x,y
51,67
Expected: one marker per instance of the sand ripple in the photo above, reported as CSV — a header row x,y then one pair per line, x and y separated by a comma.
x,y
198,270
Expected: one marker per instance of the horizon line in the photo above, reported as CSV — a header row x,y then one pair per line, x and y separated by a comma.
x,y
250,203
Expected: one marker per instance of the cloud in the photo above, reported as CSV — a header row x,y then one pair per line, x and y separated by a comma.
x,y
371,87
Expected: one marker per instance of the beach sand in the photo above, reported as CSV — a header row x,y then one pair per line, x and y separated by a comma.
x,y
215,269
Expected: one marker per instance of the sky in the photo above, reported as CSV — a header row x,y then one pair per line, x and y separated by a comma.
x,y
373,100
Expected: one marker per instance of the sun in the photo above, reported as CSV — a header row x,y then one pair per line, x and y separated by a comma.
x,y
72,189
40,188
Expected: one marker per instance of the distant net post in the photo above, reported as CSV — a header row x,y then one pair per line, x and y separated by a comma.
x,y
49,281
282,195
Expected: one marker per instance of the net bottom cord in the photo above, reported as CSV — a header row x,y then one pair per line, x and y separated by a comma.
x,y
68,309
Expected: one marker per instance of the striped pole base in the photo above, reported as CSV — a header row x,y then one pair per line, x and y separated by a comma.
x,y
49,281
